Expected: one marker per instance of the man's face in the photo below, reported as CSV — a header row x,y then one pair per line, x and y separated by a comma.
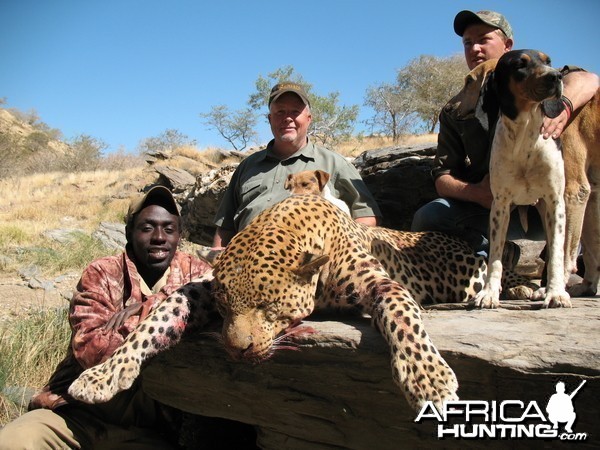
x,y
154,237
289,118
482,42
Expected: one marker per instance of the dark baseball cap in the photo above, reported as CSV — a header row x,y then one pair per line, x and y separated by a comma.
x,y
157,195
281,88
492,18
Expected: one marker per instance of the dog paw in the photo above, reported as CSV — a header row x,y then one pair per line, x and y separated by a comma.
x,y
583,289
557,299
485,299
553,298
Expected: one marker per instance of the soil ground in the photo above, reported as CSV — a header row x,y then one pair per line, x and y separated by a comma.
x,y
17,298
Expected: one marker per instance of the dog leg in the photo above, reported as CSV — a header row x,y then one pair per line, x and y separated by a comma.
x,y
554,294
590,240
489,296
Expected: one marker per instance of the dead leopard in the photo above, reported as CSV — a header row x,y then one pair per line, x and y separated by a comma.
x,y
300,255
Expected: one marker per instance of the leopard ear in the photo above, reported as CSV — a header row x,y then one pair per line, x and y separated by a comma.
x,y
310,265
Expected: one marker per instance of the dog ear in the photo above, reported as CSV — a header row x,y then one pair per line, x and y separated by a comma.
x,y
553,107
288,181
323,178
467,98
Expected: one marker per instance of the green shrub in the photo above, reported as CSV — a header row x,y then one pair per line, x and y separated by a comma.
x,y
12,235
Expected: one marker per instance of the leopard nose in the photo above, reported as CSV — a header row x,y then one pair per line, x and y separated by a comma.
x,y
248,351
239,347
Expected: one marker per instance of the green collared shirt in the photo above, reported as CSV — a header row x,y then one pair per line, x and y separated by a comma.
x,y
258,183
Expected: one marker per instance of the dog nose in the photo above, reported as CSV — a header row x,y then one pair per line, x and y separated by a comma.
x,y
553,76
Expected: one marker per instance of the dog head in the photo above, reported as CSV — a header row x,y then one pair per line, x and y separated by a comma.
x,y
465,101
307,182
523,79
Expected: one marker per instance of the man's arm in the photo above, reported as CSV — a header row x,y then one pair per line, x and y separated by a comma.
x,y
579,87
222,237
450,187
370,221
98,297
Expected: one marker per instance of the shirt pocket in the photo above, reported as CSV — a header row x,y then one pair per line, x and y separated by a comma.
x,y
251,189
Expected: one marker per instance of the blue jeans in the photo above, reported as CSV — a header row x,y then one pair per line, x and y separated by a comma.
x,y
470,222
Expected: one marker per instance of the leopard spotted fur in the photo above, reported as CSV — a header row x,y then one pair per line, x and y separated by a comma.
x,y
300,255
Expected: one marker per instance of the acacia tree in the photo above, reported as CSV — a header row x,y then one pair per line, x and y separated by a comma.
x,y
394,109
432,81
331,122
168,140
85,153
235,127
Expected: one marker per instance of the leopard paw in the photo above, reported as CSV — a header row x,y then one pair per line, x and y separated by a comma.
x,y
101,383
421,372
429,379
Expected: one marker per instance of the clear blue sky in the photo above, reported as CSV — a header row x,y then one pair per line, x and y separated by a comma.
x,y
125,70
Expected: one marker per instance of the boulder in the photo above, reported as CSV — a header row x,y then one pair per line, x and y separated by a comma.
x,y
337,390
398,177
400,180
199,208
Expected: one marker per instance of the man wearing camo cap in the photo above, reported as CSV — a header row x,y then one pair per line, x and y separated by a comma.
x,y
461,170
259,181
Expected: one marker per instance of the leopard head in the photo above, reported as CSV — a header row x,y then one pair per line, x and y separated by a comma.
x,y
264,286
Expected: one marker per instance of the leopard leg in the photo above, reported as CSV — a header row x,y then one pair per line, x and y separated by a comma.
x,y
162,329
417,366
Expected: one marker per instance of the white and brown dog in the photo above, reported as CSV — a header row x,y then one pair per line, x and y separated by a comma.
x,y
581,152
313,182
526,169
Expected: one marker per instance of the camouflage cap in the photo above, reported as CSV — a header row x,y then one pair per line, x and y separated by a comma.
x,y
287,86
465,18
157,195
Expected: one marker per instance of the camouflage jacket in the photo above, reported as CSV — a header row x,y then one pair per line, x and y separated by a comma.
x,y
107,286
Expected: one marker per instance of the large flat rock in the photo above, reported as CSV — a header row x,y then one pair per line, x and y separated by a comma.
x,y
337,391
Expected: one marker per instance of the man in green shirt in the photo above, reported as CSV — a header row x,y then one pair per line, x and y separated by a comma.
x,y
259,180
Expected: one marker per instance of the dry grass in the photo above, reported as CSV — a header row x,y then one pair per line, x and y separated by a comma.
x,y
79,200
31,205
30,350
356,146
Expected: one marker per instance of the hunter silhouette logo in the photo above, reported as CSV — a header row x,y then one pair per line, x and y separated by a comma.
x,y
560,407
506,419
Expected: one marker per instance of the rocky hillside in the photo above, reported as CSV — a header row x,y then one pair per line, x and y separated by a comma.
x,y
13,126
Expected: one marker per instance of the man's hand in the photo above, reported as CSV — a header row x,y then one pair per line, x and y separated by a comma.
x,y
483,192
554,127
119,319
451,187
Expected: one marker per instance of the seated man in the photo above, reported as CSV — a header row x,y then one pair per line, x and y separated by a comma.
x,y
259,181
461,173
113,295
